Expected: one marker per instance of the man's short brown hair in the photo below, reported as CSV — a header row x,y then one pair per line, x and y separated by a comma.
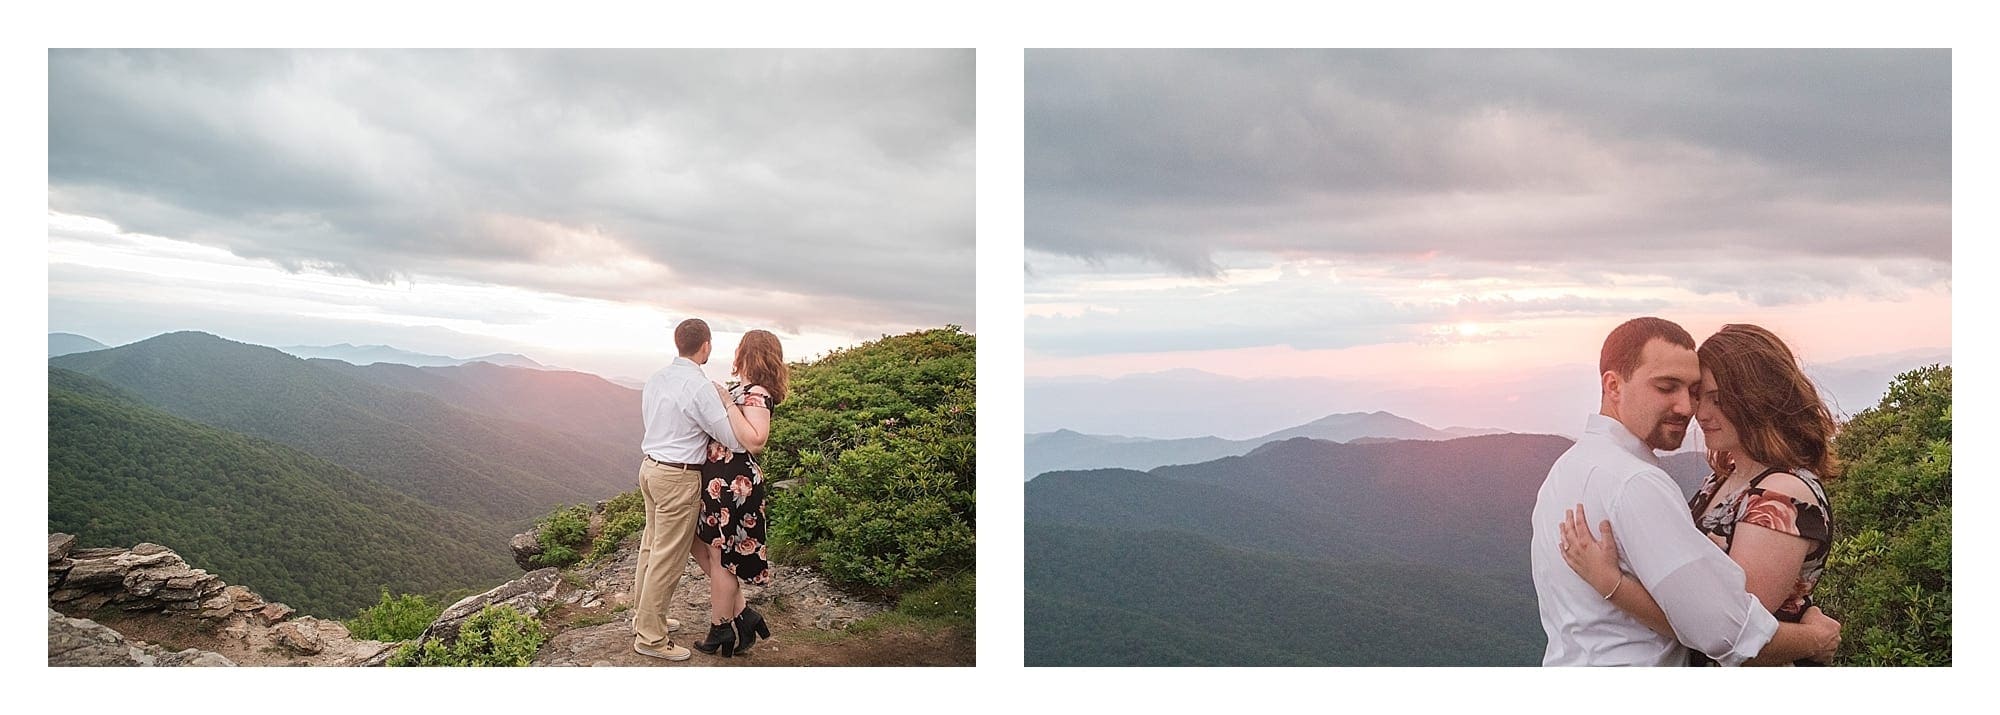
x,y
689,336
1623,346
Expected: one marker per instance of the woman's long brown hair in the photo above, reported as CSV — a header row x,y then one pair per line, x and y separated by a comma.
x,y
1767,397
760,360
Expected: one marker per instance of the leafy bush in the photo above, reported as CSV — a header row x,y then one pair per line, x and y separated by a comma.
x,y
1888,577
495,636
395,618
564,533
878,443
624,516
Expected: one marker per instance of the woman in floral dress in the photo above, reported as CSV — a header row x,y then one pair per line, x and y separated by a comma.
x,y
1770,441
729,534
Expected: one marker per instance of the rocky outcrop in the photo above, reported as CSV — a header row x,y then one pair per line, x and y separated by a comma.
x,y
530,594
80,642
149,588
527,547
147,577
148,593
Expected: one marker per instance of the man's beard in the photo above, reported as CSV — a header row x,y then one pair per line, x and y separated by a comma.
x,y
1664,438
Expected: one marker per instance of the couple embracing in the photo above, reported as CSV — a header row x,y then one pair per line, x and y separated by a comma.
x,y
1725,578
703,492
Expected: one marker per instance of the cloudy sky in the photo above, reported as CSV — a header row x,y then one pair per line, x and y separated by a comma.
x,y
1424,219
572,206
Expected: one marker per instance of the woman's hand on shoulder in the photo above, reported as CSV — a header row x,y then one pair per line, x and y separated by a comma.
x,y
1591,558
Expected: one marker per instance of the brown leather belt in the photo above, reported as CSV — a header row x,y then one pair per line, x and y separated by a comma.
x,y
677,465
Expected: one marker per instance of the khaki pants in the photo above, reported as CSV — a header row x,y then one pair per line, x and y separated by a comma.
x,y
672,505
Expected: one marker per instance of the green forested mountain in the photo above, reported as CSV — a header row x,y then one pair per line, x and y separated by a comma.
x,y
289,525
1302,552
581,405
1122,499
501,470
1460,503
1164,598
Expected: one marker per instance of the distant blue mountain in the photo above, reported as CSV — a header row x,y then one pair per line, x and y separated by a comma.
x,y
1068,450
371,354
66,343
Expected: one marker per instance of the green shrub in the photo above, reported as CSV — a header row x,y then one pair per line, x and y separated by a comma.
x,y
495,636
395,618
563,536
1888,577
624,516
878,443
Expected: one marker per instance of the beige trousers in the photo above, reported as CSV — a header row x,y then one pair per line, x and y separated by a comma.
x,y
672,505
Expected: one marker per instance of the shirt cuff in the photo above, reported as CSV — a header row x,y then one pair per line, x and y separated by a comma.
x,y
1757,632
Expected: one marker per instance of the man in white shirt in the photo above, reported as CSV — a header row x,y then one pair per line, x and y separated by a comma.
x,y
1648,373
682,410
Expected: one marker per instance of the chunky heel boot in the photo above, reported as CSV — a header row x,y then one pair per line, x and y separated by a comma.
x,y
721,640
747,624
752,615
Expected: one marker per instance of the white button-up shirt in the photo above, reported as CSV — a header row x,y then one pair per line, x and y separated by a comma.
x,y
682,411
1616,477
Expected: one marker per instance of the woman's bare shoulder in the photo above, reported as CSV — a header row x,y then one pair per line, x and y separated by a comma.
x,y
1789,485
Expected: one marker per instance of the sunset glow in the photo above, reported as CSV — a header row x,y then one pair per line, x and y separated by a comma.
x,y
1457,230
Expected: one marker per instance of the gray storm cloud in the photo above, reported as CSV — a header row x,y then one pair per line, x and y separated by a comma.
x,y
1613,161
841,179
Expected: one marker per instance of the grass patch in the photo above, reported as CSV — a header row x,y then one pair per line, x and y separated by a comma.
x,y
953,602
590,619
950,604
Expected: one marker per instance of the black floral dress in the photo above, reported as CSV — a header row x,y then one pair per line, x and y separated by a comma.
x,y
1777,511
732,505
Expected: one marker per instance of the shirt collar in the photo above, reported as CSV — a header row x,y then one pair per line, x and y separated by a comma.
x,y
1617,434
683,362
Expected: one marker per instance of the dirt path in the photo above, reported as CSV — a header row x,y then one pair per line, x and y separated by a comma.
x,y
808,620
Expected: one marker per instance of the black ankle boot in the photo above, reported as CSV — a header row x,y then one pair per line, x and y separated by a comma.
x,y
749,625
721,640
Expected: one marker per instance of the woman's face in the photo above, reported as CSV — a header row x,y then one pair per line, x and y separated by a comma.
x,y
1715,428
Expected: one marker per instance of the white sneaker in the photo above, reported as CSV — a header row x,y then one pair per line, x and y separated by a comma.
x,y
672,652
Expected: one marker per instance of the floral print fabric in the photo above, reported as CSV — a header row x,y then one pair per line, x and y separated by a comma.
x,y
1778,512
732,504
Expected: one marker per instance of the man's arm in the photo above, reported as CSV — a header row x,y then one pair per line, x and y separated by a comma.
x,y
705,406
1815,637
1697,585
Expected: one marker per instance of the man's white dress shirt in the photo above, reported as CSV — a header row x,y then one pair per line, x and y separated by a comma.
x,y
682,411
1615,476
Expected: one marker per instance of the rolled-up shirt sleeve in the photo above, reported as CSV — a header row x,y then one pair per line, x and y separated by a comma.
x,y
707,411
1697,584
